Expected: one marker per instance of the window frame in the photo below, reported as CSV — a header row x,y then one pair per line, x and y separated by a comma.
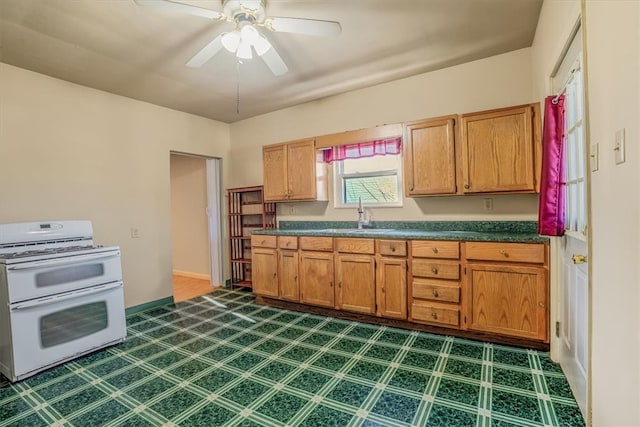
x,y
339,176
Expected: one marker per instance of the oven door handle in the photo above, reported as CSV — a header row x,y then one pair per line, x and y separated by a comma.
x,y
63,261
67,296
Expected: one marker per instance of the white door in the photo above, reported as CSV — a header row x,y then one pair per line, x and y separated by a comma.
x,y
573,310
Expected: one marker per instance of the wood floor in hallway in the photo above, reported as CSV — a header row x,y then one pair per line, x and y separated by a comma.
x,y
185,288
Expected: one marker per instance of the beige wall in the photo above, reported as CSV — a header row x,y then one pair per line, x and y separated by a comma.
x,y
613,65
613,56
489,83
190,235
70,152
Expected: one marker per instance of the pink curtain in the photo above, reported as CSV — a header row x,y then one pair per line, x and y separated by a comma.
x,y
363,149
551,215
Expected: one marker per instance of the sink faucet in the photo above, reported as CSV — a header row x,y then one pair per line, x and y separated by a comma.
x,y
361,218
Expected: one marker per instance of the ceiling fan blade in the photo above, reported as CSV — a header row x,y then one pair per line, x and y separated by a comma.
x,y
181,8
206,53
311,27
274,62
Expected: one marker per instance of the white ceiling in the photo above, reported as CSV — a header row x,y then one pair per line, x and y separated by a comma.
x,y
140,52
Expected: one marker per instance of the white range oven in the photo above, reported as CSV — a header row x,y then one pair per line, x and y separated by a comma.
x,y
61,296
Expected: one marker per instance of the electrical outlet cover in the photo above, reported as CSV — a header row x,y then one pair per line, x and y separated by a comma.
x,y
619,148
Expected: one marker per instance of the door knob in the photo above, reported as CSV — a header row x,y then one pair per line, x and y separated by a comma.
x,y
579,259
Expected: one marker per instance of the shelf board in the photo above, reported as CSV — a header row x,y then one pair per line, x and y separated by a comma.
x,y
240,237
246,214
241,261
243,283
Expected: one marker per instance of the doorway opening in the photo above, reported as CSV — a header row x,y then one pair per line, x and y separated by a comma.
x,y
195,225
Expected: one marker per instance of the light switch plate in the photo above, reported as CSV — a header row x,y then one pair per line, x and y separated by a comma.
x,y
594,156
619,148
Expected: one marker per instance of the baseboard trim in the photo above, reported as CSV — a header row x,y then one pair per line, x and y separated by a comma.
x,y
148,305
192,275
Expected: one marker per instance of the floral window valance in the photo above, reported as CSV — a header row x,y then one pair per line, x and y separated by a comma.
x,y
363,149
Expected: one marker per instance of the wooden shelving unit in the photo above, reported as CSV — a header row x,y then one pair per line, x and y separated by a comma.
x,y
247,212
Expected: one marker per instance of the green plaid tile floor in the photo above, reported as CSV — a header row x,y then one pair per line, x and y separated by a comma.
x,y
221,360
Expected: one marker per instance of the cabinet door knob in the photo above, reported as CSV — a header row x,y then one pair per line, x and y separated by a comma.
x,y
541,304
274,275
340,284
295,279
435,293
434,270
331,284
411,188
435,250
393,248
434,315
382,290
466,186
288,243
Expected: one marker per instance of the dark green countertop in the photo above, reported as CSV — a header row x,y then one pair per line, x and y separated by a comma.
x,y
484,231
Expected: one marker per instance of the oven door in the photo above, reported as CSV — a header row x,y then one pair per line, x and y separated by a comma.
x,y
51,330
35,279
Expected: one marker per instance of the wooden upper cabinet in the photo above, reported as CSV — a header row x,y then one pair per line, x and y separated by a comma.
x,y
293,171
430,157
500,150
274,164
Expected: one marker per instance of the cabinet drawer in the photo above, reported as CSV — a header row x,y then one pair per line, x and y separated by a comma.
x,y
263,241
436,291
440,315
508,252
354,246
392,247
287,242
316,243
435,249
435,269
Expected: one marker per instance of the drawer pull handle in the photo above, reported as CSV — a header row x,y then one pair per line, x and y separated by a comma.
x,y
541,304
435,250
383,290
435,293
340,284
331,284
505,253
434,270
263,242
393,248
434,315
288,243
274,275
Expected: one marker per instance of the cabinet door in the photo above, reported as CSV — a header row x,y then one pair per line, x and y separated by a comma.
x,y
288,275
498,151
391,288
509,300
429,157
274,164
316,278
355,276
301,170
265,276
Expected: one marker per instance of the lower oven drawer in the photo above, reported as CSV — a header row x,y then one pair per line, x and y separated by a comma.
x,y
35,279
51,330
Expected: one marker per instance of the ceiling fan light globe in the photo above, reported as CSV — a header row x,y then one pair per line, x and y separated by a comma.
x,y
249,34
261,45
231,41
244,50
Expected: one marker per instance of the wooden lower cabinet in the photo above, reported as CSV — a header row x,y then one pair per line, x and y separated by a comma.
x,y
509,300
391,287
288,275
316,278
265,271
355,278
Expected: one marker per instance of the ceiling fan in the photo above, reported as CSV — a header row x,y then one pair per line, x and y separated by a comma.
x,y
248,16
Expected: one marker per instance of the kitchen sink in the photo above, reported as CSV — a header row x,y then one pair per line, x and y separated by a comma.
x,y
358,230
